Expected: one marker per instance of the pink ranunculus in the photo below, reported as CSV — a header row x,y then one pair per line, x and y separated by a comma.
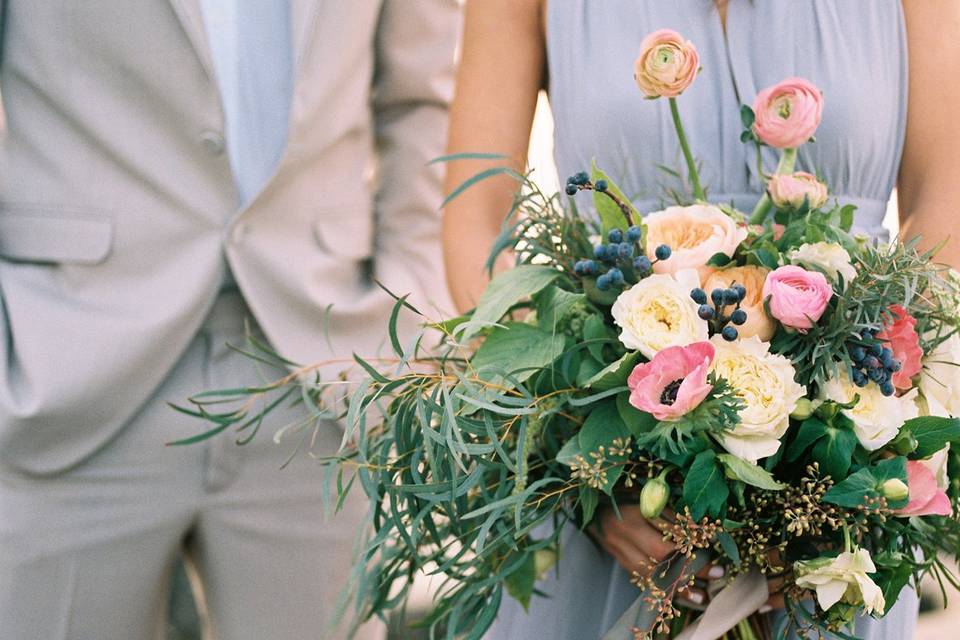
x,y
788,113
789,190
674,382
905,344
926,498
667,64
797,297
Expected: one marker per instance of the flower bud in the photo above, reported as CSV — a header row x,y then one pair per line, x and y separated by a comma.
x,y
653,498
543,561
895,489
905,443
803,410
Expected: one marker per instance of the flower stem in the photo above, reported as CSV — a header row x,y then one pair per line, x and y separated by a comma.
x,y
787,161
685,147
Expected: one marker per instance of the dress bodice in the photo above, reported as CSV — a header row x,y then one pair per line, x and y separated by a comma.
x,y
855,52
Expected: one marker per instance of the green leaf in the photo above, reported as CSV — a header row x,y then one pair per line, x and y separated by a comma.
x,y
616,373
554,305
589,498
866,484
719,259
483,175
569,452
811,430
705,490
600,429
595,331
521,581
638,422
932,434
611,217
835,450
729,547
507,289
747,117
749,473
518,349
846,217
589,367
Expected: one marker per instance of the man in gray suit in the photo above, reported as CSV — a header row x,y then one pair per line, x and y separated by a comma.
x,y
168,169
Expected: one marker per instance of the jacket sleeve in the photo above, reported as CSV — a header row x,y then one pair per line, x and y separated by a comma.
x,y
413,85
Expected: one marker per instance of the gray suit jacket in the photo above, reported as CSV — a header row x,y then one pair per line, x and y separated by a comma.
x,y
117,206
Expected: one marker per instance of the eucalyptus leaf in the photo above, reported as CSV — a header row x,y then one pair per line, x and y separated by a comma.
x,y
518,349
507,289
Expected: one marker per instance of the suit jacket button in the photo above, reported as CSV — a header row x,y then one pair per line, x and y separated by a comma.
x,y
213,142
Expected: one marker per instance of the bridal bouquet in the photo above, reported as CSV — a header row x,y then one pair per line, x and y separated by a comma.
x,y
778,394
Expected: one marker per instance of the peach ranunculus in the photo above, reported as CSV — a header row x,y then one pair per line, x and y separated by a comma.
x,y
797,297
667,64
694,234
901,333
788,113
752,278
789,190
674,383
926,497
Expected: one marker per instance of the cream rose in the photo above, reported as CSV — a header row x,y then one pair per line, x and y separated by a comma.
x,y
876,418
695,233
758,323
765,383
842,578
657,313
940,378
828,257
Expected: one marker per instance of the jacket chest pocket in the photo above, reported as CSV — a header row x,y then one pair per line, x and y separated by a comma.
x,y
30,233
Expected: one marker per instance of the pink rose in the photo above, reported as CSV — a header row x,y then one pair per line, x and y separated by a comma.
x,y
797,297
905,344
674,382
926,498
789,190
788,113
667,64
694,233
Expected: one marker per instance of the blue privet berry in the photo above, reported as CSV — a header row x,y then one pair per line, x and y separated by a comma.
x,y
600,251
578,268
876,349
663,252
876,375
741,291
581,178
738,317
729,333
730,296
616,276
887,388
717,296
895,365
634,233
642,264
589,267
615,236
603,282
572,189
600,185
857,353
706,312
871,362
859,378
699,296
625,250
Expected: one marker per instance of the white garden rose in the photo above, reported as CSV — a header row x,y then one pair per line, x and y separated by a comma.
x,y
765,383
937,463
657,313
940,379
842,578
876,418
828,257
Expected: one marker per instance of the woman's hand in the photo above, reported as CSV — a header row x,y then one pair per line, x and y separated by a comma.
x,y
637,544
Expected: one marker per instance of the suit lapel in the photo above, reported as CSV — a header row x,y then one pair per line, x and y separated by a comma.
x,y
190,15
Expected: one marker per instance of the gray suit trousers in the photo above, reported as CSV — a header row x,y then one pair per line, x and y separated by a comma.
x,y
87,554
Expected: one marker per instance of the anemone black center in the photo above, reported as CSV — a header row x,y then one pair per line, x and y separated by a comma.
x,y
669,395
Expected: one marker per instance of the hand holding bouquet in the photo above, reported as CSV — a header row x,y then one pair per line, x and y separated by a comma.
x,y
781,394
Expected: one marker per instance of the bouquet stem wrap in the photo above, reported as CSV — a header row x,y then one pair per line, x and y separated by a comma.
x,y
734,603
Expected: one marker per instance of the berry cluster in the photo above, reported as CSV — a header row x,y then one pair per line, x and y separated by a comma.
x,y
873,362
716,314
616,263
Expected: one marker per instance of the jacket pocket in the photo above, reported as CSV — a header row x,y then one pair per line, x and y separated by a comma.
x,y
346,231
36,233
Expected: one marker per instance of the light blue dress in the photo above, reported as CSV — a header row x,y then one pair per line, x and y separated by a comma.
x,y
855,52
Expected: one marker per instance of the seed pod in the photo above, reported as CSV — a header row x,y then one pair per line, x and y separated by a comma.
x,y
653,497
